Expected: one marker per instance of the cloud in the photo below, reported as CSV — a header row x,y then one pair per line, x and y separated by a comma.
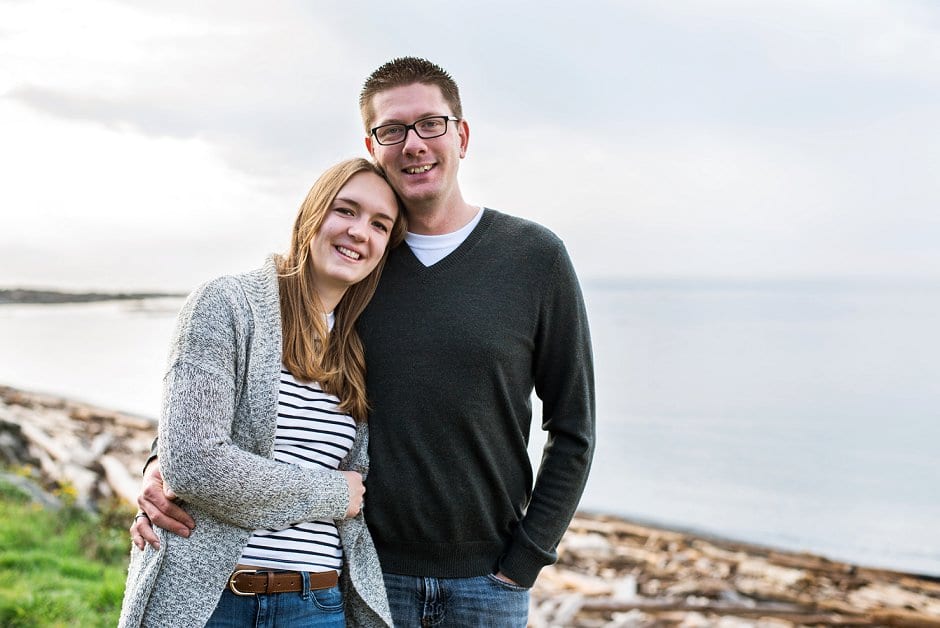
x,y
717,137
723,200
265,91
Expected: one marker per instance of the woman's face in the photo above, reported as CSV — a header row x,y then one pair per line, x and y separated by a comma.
x,y
354,233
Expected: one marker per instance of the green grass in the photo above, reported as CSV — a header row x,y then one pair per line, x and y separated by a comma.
x,y
60,568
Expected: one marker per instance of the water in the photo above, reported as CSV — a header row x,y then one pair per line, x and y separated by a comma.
x,y
110,353
797,415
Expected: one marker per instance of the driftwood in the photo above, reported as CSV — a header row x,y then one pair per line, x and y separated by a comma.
x,y
124,485
610,572
77,450
616,573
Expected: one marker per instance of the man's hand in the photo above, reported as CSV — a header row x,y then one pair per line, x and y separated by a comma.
x,y
357,493
156,501
506,578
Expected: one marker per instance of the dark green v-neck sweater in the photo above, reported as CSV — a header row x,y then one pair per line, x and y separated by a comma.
x,y
454,351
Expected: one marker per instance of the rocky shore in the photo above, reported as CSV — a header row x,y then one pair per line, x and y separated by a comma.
x,y
94,453
613,572
610,572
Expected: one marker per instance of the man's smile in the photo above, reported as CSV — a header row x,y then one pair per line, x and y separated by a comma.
x,y
418,169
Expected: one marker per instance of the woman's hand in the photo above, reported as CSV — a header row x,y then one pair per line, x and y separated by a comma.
x,y
357,492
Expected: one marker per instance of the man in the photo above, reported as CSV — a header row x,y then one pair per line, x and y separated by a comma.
x,y
478,309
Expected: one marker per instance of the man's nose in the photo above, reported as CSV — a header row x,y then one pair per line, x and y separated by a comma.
x,y
413,142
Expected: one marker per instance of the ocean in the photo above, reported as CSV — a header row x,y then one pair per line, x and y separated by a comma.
x,y
801,415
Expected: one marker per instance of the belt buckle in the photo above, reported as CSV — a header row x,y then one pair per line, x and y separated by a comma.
x,y
231,581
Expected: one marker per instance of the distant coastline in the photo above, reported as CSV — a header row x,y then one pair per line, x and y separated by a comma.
x,y
9,296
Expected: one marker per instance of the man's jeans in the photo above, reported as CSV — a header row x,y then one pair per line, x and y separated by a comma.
x,y
483,601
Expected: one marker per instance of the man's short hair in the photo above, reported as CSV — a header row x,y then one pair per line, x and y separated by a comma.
x,y
407,71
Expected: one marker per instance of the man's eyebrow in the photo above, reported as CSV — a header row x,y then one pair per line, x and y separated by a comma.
x,y
422,116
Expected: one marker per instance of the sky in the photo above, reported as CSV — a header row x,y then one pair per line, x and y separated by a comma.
x,y
156,145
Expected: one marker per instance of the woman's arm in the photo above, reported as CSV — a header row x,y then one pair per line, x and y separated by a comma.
x,y
199,460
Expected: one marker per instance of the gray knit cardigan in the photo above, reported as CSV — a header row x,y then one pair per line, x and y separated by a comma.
x,y
216,444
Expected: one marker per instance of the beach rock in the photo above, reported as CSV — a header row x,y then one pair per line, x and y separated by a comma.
x,y
32,490
14,449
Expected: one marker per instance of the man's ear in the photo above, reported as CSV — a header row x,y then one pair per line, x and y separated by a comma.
x,y
369,146
463,131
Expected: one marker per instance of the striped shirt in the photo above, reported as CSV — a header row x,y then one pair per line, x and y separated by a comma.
x,y
311,432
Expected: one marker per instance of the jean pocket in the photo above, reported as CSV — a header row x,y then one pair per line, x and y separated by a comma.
x,y
492,577
330,600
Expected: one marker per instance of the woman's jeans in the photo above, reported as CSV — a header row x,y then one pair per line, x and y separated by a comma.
x,y
317,607
482,601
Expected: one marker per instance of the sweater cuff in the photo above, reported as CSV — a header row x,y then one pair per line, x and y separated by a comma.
x,y
151,457
525,559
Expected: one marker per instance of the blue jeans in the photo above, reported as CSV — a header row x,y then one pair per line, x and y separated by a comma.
x,y
318,607
481,601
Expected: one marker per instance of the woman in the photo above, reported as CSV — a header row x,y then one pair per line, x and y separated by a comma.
x,y
262,434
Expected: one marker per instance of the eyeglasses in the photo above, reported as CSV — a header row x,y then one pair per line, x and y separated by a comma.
x,y
425,128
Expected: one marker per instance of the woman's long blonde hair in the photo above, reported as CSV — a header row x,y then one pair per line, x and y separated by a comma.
x,y
336,360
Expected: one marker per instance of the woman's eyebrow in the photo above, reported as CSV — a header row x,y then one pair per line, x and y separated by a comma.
x,y
348,201
385,216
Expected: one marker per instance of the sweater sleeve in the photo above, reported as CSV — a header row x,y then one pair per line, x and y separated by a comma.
x,y
199,460
358,457
564,381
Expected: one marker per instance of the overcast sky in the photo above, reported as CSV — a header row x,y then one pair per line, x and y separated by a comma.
x,y
155,145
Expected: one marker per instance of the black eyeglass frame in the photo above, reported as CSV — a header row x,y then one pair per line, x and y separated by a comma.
x,y
413,127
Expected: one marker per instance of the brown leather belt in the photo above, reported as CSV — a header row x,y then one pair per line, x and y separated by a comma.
x,y
254,582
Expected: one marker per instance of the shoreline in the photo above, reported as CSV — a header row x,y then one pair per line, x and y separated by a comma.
x,y
722,539
30,296
611,570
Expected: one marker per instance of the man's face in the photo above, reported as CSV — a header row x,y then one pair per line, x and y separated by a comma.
x,y
422,171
